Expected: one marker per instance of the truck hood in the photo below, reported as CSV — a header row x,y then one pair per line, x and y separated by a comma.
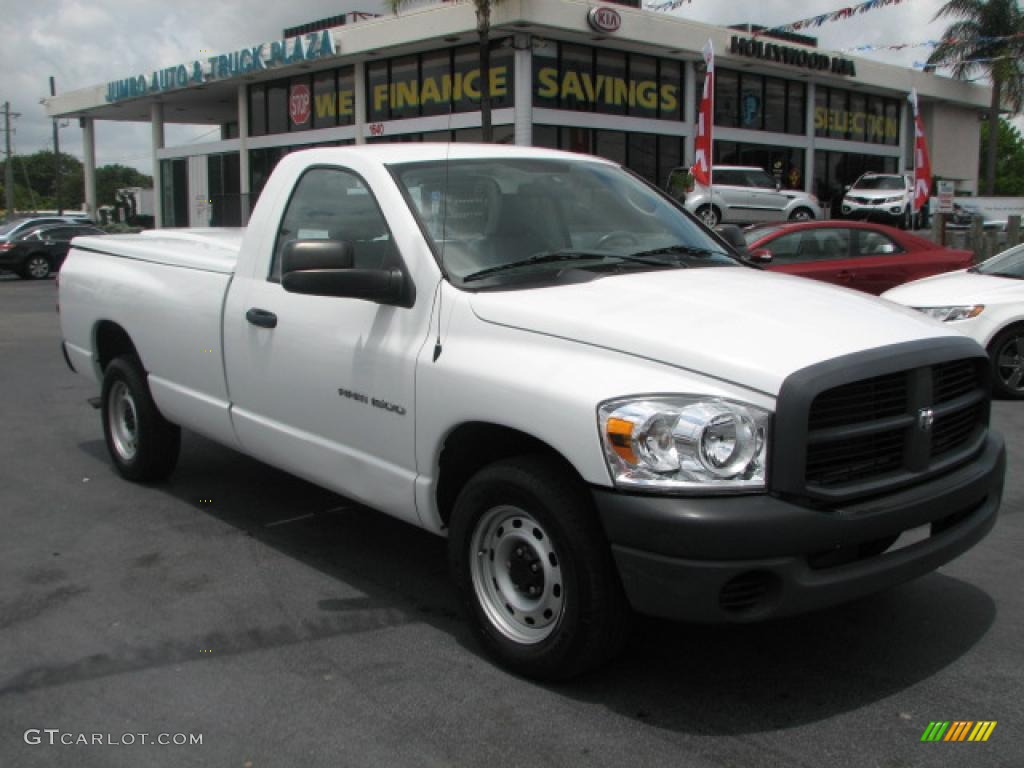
x,y
740,325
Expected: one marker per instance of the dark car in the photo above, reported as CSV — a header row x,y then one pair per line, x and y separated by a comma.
x,y
35,252
868,257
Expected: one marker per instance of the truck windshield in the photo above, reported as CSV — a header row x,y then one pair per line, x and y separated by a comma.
x,y
501,219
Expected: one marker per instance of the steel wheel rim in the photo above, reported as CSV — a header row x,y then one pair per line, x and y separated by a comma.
x,y
516,575
1010,363
38,267
123,419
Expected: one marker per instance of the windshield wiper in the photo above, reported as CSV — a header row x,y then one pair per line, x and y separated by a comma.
x,y
549,257
689,250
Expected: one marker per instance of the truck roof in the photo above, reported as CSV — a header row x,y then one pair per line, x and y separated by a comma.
x,y
409,152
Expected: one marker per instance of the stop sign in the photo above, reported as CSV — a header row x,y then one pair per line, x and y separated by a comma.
x,y
299,104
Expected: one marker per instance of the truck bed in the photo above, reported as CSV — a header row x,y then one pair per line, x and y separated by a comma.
x,y
210,250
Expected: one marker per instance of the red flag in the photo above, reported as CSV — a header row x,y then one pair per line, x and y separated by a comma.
x,y
922,163
705,121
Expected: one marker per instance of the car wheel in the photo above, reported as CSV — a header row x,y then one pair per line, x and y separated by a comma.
x,y
143,445
36,267
1007,355
802,214
709,215
534,570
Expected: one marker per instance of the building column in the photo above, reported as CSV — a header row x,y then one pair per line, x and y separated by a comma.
x,y
156,119
244,177
89,170
359,78
690,89
523,99
811,140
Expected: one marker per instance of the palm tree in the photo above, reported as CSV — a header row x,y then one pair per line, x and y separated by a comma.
x,y
483,30
981,42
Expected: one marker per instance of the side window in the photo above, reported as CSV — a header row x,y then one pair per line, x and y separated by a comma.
x,y
811,245
872,243
335,204
730,178
760,180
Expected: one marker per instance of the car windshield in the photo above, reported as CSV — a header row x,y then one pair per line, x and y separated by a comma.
x,y
754,234
528,219
1006,264
880,182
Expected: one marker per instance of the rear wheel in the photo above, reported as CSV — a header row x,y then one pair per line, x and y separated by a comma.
x,y
802,214
709,214
142,443
36,267
534,570
1007,355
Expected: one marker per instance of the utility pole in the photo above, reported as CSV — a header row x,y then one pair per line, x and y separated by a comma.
x,y
56,154
9,164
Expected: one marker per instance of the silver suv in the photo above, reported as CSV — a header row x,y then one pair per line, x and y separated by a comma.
x,y
882,197
743,194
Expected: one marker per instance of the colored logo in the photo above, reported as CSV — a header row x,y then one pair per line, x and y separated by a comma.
x,y
299,104
958,730
604,19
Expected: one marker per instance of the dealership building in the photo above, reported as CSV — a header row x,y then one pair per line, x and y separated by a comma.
x,y
607,78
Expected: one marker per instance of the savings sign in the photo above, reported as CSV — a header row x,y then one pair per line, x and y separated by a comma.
x,y
299,104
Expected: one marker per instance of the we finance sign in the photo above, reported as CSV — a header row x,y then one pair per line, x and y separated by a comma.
x,y
257,58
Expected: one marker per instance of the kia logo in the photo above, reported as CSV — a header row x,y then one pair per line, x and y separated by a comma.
x,y
604,19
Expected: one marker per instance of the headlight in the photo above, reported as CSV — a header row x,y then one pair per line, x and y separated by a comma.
x,y
949,314
685,443
897,199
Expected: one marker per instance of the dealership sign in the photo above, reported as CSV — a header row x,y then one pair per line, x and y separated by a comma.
x,y
247,60
604,19
795,57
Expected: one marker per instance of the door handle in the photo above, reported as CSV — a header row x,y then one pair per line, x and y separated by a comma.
x,y
262,318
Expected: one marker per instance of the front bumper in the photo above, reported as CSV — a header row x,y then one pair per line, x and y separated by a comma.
x,y
891,212
745,558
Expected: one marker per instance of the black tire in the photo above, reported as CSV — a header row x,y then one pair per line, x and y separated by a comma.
x,y
36,267
802,214
578,584
142,444
1006,353
709,214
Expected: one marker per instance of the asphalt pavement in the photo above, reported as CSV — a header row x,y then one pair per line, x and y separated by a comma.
x,y
283,625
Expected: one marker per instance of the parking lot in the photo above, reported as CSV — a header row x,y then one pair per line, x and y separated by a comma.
x,y
289,627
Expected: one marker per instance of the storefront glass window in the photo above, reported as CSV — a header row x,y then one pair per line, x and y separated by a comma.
x,y
257,110
858,116
611,69
774,105
300,103
642,154
643,97
727,98
796,108
377,92
404,88
751,101
435,67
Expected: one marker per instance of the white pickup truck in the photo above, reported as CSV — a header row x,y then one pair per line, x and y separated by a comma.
x,y
548,361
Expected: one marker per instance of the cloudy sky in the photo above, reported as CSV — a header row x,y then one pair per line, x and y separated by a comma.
x,y
86,42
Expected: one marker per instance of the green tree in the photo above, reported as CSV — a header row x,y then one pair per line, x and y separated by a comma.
x,y
981,42
483,30
1009,159
35,181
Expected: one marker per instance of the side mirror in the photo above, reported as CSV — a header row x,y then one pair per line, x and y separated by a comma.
x,y
326,268
761,256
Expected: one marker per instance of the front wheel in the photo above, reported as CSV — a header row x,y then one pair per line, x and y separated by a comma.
x,y
535,572
802,214
143,445
1007,355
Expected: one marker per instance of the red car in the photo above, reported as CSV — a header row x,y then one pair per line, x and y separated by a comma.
x,y
868,257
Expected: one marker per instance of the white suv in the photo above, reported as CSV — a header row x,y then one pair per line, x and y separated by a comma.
x,y
882,197
744,194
